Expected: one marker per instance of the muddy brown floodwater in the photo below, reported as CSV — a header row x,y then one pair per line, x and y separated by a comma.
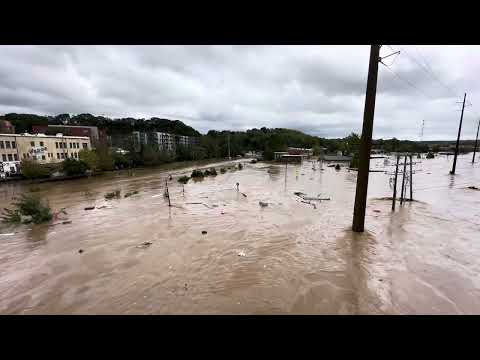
x,y
283,258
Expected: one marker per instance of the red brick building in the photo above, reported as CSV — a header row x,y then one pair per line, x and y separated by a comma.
x,y
97,136
6,127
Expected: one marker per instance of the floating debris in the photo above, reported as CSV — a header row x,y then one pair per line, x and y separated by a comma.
x,y
80,251
204,232
473,188
7,234
262,204
242,254
67,222
89,208
144,245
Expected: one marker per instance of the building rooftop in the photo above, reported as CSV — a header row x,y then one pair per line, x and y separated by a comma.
x,y
47,136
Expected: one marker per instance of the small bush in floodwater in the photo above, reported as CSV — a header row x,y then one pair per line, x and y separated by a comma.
x,y
197,174
111,195
223,170
131,193
240,166
211,172
184,179
430,155
30,206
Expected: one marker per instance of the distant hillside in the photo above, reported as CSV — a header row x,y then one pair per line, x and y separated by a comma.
x,y
24,122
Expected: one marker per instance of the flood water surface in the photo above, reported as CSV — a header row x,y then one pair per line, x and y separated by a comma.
x,y
140,256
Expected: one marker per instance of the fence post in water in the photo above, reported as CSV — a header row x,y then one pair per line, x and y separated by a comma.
x,y
394,198
403,179
411,178
167,193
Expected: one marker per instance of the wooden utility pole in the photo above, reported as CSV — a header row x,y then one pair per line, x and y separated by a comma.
x,y
411,178
366,142
476,141
458,137
395,184
403,179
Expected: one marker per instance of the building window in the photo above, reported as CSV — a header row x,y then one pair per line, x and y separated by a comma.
x,y
4,157
10,157
70,145
43,157
15,156
41,143
85,145
56,145
62,155
7,144
32,143
58,155
14,145
78,145
2,145
64,145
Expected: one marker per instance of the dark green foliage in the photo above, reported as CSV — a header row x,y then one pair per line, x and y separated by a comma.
x,y
74,167
24,122
197,174
211,172
430,155
240,166
28,205
111,195
183,179
223,170
436,148
33,170
128,194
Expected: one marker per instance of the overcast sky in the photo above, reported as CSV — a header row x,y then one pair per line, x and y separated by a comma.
x,y
317,89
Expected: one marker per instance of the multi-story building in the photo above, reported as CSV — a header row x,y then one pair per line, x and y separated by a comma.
x,y
41,148
97,136
164,141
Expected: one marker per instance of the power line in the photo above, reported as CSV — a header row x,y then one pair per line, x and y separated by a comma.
x,y
429,71
406,81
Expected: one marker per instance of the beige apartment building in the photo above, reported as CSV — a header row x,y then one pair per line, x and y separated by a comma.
x,y
41,148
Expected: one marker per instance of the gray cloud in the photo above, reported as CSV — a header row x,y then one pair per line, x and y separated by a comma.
x,y
316,89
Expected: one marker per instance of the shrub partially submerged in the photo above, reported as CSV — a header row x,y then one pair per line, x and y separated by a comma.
x,y
130,193
223,170
197,174
111,195
31,208
184,179
211,172
240,166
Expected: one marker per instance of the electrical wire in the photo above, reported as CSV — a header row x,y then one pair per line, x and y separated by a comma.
x,y
407,82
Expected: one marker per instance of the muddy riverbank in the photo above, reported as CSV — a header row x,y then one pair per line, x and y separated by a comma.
x,y
283,258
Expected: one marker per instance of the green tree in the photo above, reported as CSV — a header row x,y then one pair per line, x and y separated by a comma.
x,y
90,158
33,170
74,167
